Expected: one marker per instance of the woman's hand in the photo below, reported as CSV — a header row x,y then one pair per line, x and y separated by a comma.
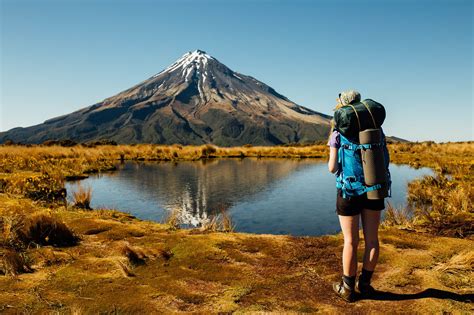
x,y
332,164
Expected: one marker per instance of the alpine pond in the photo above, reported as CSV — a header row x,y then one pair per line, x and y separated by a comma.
x,y
276,196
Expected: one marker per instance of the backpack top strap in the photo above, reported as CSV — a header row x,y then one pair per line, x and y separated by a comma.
x,y
357,115
373,120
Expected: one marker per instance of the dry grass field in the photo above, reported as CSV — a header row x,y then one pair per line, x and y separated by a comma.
x,y
66,258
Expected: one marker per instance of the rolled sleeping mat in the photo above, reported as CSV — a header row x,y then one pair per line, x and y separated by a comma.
x,y
373,163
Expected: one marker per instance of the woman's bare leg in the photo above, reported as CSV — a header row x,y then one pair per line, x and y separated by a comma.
x,y
370,225
350,230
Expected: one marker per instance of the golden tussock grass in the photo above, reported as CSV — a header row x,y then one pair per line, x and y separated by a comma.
x,y
13,262
13,257
397,216
21,231
441,203
135,255
12,226
211,225
458,270
220,222
80,159
125,267
227,225
45,229
82,197
172,219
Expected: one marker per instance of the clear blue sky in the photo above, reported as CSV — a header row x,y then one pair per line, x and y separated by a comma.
x,y
415,57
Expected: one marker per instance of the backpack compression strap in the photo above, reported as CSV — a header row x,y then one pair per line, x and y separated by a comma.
x,y
343,186
365,146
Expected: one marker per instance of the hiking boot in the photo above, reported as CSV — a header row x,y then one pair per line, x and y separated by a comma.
x,y
365,289
344,291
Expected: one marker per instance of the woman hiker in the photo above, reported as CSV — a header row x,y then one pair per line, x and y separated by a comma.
x,y
351,208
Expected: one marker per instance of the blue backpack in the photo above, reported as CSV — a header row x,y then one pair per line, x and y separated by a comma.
x,y
350,175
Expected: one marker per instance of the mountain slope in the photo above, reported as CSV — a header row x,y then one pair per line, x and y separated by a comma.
x,y
195,100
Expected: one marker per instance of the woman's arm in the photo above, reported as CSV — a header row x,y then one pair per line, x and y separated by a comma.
x,y
332,164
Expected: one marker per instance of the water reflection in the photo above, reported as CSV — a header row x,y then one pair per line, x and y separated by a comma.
x,y
295,196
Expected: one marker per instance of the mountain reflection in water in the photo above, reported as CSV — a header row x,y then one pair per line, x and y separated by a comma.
x,y
199,189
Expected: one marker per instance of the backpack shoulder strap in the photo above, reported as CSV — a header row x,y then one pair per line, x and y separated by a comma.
x,y
373,120
357,115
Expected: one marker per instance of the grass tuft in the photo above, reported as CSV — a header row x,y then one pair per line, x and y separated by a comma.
x,y
227,225
82,197
125,267
221,222
457,272
44,229
172,219
12,226
397,216
13,262
13,257
210,225
166,254
134,255
208,150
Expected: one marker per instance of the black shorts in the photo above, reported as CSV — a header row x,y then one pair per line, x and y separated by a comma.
x,y
353,205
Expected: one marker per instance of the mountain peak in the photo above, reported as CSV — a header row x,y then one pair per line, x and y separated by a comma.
x,y
196,54
199,51
196,58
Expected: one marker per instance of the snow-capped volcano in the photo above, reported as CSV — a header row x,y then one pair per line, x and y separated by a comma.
x,y
197,59
195,100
